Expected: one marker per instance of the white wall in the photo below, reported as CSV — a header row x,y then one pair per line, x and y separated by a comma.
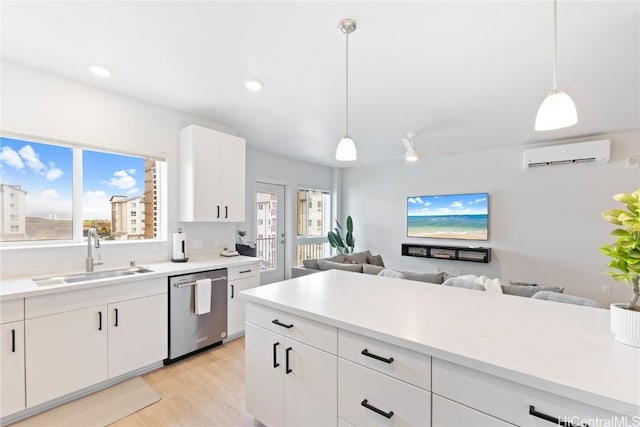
x,y
545,223
292,174
41,104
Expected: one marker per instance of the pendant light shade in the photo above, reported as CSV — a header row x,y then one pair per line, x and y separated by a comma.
x,y
557,111
346,150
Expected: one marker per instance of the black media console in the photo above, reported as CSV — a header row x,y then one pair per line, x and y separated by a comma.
x,y
455,253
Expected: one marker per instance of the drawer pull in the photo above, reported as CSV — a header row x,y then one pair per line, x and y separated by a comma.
x,y
275,360
365,352
245,271
376,410
116,313
288,370
13,341
553,420
99,320
279,323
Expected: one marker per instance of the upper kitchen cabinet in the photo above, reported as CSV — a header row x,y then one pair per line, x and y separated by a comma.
x,y
212,176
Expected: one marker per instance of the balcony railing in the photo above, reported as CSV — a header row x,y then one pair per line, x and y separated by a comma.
x,y
310,250
266,251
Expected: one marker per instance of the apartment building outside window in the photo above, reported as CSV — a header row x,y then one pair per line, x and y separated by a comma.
x,y
37,191
313,224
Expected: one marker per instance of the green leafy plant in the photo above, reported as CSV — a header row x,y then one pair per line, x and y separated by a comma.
x,y
625,251
346,245
242,233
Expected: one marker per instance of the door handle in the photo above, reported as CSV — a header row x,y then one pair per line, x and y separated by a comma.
x,y
232,288
218,207
99,320
288,370
226,211
13,341
116,312
275,357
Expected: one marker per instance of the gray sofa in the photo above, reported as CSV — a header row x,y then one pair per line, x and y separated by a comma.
x,y
367,263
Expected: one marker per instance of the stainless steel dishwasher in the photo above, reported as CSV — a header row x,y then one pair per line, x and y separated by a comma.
x,y
190,332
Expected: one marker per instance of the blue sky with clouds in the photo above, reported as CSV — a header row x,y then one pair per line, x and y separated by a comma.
x,y
454,204
45,172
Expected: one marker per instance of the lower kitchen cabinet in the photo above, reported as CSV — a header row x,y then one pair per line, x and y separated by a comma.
x,y
447,413
65,352
288,382
137,333
12,368
240,279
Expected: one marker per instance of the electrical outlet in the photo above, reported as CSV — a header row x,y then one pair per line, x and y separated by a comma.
x,y
605,289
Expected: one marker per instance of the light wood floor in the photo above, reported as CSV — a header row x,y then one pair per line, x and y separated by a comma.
x,y
203,390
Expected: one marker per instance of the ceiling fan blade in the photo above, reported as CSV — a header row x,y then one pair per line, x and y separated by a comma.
x,y
407,144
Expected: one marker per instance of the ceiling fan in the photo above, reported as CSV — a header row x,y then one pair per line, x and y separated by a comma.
x,y
411,154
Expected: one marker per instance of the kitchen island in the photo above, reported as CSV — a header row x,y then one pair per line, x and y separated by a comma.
x,y
397,352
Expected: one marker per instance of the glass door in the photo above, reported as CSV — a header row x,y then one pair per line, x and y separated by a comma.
x,y
270,234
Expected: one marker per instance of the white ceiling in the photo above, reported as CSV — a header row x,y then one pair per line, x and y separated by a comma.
x,y
466,75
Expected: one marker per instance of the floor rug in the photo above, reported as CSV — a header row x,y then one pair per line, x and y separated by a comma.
x,y
100,408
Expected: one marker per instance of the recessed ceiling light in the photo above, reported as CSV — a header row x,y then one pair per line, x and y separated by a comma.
x,y
100,71
253,85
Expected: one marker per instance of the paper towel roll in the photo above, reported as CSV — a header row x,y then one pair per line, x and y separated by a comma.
x,y
179,246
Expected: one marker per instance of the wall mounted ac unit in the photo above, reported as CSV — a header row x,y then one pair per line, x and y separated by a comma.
x,y
581,152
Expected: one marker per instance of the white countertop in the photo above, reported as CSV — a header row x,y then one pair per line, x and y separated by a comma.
x,y
559,348
26,287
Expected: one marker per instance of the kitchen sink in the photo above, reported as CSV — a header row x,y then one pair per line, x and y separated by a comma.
x,y
94,275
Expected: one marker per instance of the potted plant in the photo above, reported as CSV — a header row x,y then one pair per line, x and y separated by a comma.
x,y
624,265
241,235
346,245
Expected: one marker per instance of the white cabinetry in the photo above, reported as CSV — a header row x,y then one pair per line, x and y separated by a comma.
x,y
75,339
12,398
447,413
212,176
290,382
240,279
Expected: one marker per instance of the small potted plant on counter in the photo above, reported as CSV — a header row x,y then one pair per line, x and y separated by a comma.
x,y
242,235
624,265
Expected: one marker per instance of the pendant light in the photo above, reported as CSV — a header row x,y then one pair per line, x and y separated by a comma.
x,y
346,150
557,110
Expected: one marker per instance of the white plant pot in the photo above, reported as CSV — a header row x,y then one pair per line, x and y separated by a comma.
x,y
625,325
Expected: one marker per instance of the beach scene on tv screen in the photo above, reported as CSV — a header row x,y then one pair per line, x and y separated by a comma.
x,y
453,216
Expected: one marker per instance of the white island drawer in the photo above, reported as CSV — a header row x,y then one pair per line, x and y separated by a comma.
x,y
11,310
368,398
447,413
398,362
306,331
510,401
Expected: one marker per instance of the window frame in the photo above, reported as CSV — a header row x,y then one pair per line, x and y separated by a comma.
x,y
77,238
313,240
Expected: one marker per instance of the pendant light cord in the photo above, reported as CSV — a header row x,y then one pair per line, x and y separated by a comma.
x,y
346,126
555,44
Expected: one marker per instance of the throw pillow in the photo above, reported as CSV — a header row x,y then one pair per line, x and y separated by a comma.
x,y
387,272
458,282
357,257
371,269
311,263
428,277
336,258
375,260
493,286
522,283
528,291
330,265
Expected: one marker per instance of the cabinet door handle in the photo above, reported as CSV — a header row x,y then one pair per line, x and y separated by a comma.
x,y
279,323
288,370
218,207
99,320
116,311
366,404
551,419
275,357
245,271
226,211
365,352
232,288
13,341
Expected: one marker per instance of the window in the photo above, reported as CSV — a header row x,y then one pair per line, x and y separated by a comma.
x,y
312,224
15,228
38,179
133,222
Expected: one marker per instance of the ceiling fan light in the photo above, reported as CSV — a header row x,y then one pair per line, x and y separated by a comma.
x,y
411,155
346,150
557,111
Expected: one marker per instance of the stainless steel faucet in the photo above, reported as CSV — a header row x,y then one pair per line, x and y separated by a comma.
x,y
89,261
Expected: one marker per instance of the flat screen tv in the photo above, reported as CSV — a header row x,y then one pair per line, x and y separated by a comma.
x,y
450,216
